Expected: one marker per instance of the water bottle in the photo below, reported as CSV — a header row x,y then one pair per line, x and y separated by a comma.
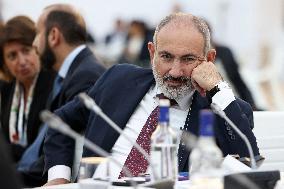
x,y
164,146
206,157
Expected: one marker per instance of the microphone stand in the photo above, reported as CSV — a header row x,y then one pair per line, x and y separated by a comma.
x,y
91,104
221,113
56,123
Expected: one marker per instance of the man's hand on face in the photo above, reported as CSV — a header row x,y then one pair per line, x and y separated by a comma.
x,y
57,182
204,77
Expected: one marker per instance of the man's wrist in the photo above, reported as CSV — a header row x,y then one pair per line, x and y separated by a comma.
x,y
218,87
221,94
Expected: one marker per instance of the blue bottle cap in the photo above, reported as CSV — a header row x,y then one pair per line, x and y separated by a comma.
x,y
164,110
206,119
183,176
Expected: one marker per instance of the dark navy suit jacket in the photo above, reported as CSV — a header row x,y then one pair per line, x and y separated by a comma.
x,y
119,91
82,74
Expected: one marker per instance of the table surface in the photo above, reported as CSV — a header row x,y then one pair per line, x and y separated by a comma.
x,y
280,184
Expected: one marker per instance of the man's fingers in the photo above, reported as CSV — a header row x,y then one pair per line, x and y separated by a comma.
x,y
206,76
198,88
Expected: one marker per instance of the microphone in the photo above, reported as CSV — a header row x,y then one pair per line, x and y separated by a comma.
x,y
216,109
91,104
54,122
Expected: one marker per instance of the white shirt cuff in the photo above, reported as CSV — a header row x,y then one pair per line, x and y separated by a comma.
x,y
59,171
223,98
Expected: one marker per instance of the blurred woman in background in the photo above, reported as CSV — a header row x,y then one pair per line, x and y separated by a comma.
x,y
26,93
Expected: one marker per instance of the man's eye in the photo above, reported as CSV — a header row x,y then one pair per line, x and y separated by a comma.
x,y
189,59
166,57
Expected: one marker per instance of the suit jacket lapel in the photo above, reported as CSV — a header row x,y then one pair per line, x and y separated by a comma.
x,y
191,125
76,62
52,102
134,93
131,96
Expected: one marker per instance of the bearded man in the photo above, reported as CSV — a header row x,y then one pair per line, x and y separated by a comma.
x,y
183,70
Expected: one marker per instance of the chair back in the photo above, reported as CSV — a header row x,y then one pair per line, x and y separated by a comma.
x,y
269,132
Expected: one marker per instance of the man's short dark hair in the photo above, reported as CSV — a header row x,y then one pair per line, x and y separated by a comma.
x,y
69,25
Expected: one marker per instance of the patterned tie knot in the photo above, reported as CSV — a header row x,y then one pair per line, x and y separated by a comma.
x,y
173,102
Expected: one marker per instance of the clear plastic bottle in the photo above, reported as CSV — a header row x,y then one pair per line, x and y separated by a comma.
x,y
206,157
164,146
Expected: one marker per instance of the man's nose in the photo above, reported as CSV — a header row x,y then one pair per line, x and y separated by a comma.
x,y
176,69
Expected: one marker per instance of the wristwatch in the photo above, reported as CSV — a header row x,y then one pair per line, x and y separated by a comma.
x,y
221,85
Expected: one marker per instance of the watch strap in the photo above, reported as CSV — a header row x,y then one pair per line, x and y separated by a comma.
x,y
211,93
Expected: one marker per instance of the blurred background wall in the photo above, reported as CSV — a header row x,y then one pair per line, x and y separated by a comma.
x,y
253,29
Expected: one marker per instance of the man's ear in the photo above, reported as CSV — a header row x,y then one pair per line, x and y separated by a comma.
x,y
54,37
151,49
211,55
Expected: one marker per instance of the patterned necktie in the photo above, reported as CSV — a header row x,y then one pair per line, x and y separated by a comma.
x,y
136,162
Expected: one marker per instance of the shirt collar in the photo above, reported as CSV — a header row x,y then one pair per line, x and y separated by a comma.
x,y
68,61
183,103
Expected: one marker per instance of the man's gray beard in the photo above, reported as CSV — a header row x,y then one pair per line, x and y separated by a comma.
x,y
172,92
